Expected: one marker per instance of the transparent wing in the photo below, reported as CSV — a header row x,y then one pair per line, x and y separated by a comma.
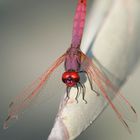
x,y
24,99
120,104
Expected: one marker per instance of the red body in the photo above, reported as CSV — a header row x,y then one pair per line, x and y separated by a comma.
x,y
73,56
79,22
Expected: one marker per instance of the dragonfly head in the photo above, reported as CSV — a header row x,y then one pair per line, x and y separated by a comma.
x,y
70,78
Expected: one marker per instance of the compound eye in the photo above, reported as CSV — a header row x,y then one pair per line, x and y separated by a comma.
x,y
70,78
75,76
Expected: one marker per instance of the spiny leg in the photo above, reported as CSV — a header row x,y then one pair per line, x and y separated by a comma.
x,y
76,98
83,92
90,82
91,85
68,91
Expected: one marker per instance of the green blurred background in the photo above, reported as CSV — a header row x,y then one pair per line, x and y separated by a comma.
x,y
33,34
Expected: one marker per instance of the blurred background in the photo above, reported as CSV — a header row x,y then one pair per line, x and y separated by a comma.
x,y
33,34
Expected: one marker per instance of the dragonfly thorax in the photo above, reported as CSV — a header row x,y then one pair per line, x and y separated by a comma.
x,y
70,78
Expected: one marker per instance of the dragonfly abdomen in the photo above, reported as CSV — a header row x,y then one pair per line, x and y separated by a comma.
x,y
79,22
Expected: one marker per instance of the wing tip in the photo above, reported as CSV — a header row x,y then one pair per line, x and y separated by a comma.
x,y
5,125
126,125
133,109
136,117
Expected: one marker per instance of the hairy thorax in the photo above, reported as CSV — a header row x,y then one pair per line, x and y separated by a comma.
x,y
73,59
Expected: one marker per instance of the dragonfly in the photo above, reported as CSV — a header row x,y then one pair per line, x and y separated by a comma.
x,y
76,62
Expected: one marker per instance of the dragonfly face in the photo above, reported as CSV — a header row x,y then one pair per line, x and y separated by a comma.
x,y
70,78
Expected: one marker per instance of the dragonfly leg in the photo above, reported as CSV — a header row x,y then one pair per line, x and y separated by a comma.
x,y
90,82
83,91
76,98
68,91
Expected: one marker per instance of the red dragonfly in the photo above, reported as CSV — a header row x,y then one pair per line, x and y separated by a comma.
x,y
75,62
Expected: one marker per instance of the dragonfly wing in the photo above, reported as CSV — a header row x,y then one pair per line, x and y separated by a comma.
x,y
120,104
24,99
